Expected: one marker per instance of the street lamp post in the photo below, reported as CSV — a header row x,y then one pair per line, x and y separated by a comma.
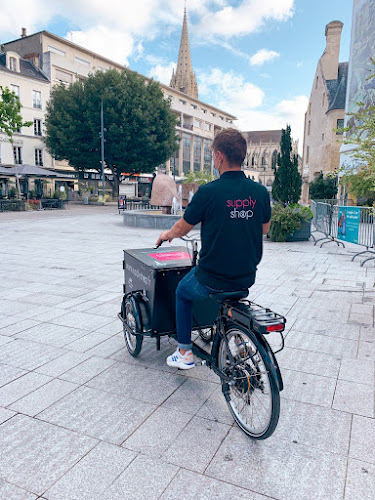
x,y
102,130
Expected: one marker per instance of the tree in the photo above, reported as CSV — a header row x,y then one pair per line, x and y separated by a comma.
x,y
287,184
10,113
323,189
361,183
10,116
140,126
199,178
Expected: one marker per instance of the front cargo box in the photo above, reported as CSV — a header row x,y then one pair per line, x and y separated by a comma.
x,y
157,273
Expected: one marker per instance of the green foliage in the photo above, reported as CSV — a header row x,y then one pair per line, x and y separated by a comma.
x,y
12,192
140,126
10,113
360,132
323,189
199,177
288,181
287,219
360,182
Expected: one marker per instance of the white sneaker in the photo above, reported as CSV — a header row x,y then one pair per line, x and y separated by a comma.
x,y
182,361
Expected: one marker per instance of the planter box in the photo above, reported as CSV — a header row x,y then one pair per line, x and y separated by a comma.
x,y
302,234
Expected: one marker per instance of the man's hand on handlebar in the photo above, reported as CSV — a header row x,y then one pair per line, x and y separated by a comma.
x,y
164,236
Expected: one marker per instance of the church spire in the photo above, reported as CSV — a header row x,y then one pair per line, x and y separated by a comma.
x,y
183,79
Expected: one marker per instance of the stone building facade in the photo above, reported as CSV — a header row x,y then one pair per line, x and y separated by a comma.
x,y
65,62
325,113
32,87
263,146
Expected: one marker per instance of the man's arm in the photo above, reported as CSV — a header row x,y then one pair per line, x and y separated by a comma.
x,y
266,227
179,229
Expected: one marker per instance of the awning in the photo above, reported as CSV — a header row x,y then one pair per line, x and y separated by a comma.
x,y
28,171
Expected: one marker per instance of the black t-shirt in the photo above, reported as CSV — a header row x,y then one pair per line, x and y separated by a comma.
x,y
232,211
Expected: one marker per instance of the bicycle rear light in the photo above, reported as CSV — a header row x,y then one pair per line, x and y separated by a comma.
x,y
275,328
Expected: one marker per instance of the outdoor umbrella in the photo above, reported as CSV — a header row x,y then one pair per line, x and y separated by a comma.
x,y
29,170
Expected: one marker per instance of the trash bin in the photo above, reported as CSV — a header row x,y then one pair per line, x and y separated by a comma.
x,y
85,200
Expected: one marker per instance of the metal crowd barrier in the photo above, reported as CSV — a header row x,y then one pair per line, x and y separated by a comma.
x,y
366,231
326,221
124,204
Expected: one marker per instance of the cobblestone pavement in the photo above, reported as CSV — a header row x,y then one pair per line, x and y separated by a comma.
x,y
81,419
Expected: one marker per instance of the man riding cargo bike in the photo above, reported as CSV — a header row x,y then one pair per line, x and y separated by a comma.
x,y
234,213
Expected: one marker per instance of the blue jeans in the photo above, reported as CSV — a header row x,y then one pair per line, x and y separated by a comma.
x,y
188,290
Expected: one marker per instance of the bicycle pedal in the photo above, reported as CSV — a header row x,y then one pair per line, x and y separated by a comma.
x,y
202,362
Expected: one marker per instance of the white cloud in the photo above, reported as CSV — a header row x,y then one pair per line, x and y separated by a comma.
x,y
229,90
233,94
162,73
263,56
112,44
122,24
247,17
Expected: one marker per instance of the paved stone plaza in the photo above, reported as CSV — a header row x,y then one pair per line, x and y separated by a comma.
x,y
80,419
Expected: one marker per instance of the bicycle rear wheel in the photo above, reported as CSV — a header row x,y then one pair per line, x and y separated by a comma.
x,y
252,395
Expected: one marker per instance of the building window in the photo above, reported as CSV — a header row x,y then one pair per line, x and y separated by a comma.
x,y
82,61
340,125
307,154
324,99
39,157
63,76
310,108
37,99
207,154
182,101
322,137
197,123
15,89
221,117
204,111
309,128
17,155
13,64
186,153
193,106
37,127
316,82
274,159
208,127
55,51
213,114
197,153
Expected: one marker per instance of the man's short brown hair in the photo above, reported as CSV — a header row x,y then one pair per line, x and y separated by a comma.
x,y
232,144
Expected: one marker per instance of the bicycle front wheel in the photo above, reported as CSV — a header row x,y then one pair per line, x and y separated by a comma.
x,y
252,394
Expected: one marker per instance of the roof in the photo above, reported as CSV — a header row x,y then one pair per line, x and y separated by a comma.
x,y
263,136
337,88
27,68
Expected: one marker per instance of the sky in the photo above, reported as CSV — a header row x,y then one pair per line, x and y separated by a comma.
x,y
255,59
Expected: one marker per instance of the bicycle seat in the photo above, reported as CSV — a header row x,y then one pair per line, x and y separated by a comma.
x,y
235,295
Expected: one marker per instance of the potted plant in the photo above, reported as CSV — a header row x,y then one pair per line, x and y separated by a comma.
x,y
290,222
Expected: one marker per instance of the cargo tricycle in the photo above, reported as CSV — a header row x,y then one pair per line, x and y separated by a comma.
x,y
229,332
